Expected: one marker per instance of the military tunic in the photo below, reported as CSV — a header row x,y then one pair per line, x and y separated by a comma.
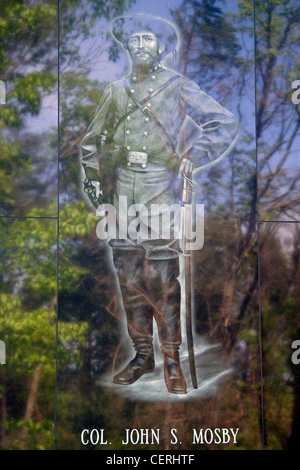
x,y
187,123
194,121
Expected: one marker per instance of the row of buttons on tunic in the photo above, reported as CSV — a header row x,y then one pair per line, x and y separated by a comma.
x,y
129,119
150,90
148,106
145,133
134,79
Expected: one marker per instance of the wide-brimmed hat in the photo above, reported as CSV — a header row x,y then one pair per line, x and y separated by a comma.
x,y
123,27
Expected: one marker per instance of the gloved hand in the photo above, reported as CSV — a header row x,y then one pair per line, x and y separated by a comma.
x,y
186,167
92,189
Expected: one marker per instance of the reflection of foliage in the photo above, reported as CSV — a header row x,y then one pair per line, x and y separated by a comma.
x,y
227,276
84,269
28,36
277,65
28,328
280,245
277,132
206,56
222,64
233,208
227,289
28,177
79,98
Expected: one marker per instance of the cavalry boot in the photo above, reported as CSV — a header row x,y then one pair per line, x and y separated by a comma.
x,y
173,374
167,316
139,314
141,364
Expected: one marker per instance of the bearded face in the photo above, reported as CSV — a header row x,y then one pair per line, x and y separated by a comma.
x,y
144,49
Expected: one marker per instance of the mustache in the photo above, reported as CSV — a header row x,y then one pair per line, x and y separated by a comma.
x,y
141,51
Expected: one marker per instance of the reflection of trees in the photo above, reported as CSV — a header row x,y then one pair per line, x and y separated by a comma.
x,y
205,56
27,65
226,269
277,63
217,53
28,36
27,325
222,63
277,127
280,326
28,176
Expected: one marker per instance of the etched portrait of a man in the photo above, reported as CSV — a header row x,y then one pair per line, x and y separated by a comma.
x,y
150,130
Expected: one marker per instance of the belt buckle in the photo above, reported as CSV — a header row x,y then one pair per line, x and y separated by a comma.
x,y
138,158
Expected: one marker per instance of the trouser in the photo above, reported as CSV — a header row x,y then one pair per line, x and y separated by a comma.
x,y
148,269
150,290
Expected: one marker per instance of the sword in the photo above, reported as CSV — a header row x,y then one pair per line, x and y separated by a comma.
x,y
186,228
186,220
